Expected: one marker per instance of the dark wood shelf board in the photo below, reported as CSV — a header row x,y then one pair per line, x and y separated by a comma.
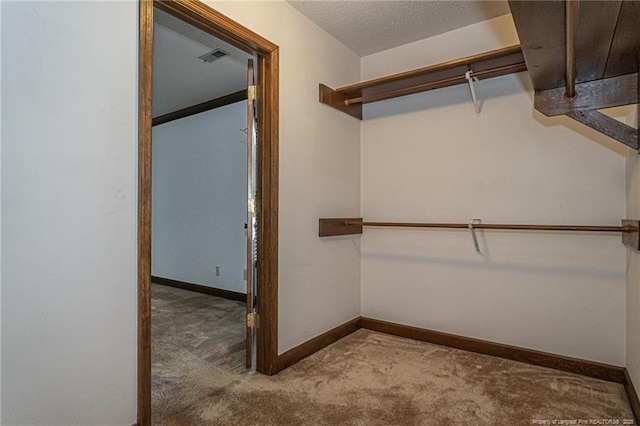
x,y
455,68
349,99
606,39
608,126
338,226
624,54
598,94
607,50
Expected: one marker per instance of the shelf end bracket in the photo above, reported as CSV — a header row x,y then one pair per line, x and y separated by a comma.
x,y
339,226
335,99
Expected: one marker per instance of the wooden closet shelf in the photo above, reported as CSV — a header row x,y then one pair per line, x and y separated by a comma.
x,y
349,99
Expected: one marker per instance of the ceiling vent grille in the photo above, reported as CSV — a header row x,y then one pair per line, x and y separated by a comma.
x,y
213,56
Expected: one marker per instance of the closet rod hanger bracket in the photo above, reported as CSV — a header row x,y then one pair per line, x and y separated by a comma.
x,y
350,226
472,224
472,88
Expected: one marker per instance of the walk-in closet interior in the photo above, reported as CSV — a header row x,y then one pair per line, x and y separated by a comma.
x,y
304,212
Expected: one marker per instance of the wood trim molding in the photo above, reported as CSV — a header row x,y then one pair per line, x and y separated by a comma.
x,y
597,370
145,79
201,107
209,20
634,401
198,288
312,346
593,369
215,23
267,206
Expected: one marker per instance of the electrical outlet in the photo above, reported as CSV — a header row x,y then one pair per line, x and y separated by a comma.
x,y
217,271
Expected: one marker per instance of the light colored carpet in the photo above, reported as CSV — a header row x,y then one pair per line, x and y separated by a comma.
x,y
190,332
370,378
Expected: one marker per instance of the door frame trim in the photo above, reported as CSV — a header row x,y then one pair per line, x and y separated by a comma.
x,y
213,22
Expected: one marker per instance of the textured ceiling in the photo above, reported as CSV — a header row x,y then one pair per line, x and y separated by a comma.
x,y
182,80
367,27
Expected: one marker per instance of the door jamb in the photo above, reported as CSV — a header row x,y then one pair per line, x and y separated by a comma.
x,y
213,22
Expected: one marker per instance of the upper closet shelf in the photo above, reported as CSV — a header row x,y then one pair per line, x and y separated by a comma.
x,y
349,99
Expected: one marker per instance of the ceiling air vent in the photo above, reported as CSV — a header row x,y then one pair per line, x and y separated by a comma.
x,y
214,55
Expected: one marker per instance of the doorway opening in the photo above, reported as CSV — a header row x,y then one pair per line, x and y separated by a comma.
x,y
261,208
202,238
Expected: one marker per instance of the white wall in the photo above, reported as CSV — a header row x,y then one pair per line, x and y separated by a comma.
x,y
69,201
69,206
633,265
319,285
200,198
428,157
0,213
69,213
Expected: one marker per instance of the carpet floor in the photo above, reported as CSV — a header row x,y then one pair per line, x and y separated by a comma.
x,y
191,332
371,378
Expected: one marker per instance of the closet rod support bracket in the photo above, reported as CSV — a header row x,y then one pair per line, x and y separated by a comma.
x,y
631,236
340,226
335,99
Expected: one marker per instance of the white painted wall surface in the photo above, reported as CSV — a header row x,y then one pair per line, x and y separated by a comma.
x,y
200,198
428,157
0,213
319,284
633,265
69,213
69,208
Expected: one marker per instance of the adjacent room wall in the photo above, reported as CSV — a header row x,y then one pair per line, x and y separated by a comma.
x,y
428,157
0,213
69,213
319,284
200,198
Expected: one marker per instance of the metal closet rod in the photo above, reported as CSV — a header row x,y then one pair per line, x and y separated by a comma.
x,y
520,227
